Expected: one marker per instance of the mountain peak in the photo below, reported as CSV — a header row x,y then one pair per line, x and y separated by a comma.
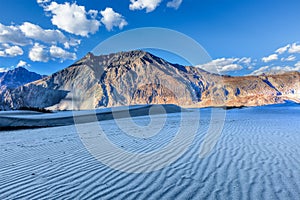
x,y
138,77
17,69
89,55
134,54
17,77
120,59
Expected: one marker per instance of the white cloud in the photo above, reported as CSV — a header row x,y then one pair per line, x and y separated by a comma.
x,y
282,49
174,4
297,65
275,70
231,67
260,70
43,1
14,51
93,13
24,34
12,35
270,58
294,48
223,65
290,48
245,60
2,70
73,18
111,18
149,5
48,36
23,64
72,42
10,51
57,52
38,53
279,69
289,59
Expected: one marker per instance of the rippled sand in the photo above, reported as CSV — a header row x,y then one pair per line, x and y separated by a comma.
x,y
256,157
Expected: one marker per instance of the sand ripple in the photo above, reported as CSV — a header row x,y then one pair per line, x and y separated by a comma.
x,y
257,157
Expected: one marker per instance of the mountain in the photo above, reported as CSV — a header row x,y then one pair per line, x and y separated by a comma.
x,y
138,77
17,77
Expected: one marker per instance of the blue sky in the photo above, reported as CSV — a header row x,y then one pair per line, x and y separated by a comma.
x,y
241,36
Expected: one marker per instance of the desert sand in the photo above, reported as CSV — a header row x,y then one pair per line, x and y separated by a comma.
x,y
10,120
256,157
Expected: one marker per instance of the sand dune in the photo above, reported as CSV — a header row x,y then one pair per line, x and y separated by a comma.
x,y
256,157
10,120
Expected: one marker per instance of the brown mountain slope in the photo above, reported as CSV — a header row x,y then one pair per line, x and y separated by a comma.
x,y
137,77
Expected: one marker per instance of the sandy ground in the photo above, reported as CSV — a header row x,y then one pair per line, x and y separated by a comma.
x,y
256,157
30,119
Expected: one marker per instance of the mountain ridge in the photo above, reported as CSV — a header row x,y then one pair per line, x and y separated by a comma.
x,y
17,77
138,77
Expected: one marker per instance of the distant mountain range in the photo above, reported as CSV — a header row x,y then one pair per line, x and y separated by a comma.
x,y
17,77
138,77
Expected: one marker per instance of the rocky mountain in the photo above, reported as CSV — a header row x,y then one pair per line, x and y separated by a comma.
x,y
17,77
138,77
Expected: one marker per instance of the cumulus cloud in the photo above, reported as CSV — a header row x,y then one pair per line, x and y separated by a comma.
x,y
275,70
289,59
2,69
73,18
294,48
35,32
260,70
57,52
71,43
93,13
10,51
270,58
38,53
43,1
111,18
149,5
41,53
13,35
245,60
14,51
27,32
282,49
290,48
223,65
231,67
280,69
174,4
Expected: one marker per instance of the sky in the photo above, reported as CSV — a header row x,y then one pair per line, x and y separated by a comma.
x,y
242,37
